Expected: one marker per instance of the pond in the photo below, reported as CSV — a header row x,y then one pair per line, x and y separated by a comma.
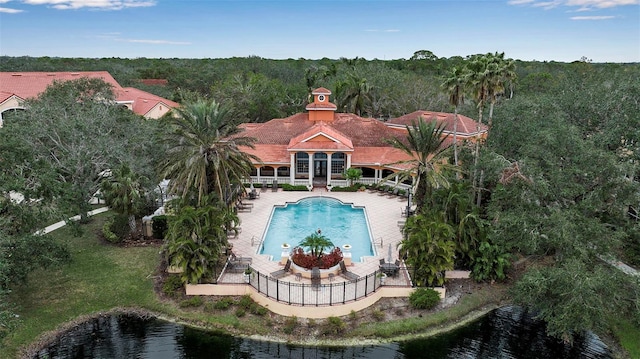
x,y
508,332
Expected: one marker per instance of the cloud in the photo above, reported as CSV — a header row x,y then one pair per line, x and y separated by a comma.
x,y
582,4
592,17
156,42
6,10
92,4
601,4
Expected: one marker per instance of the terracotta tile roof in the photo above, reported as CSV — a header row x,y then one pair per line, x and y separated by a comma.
x,y
31,84
321,136
321,91
4,96
321,106
466,125
367,137
143,102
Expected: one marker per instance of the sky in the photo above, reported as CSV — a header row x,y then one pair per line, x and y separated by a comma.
x,y
528,30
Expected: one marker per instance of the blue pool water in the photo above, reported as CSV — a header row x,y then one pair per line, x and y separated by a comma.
x,y
341,223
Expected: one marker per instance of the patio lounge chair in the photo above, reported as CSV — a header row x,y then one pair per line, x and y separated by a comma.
x,y
238,264
264,186
350,276
282,272
254,194
274,186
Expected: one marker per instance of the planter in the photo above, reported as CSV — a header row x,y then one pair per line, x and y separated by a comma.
x,y
383,278
346,248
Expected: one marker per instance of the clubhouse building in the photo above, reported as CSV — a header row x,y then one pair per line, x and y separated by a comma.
x,y
314,148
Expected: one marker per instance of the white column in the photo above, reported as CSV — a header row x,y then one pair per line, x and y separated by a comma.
x,y
292,170
275,173
348,160
258,170
328,168
311,168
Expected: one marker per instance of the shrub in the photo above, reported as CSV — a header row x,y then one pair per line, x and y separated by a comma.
x,y
353,316
289,187
378,315
107,234
191,302
333,325
424,298
120,226
352,188
306,260
246,302
290,324
159,226
171,285
257,309
240,312
223,304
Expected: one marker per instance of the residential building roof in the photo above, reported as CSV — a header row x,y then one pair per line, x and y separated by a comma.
x,y
25,85
466,126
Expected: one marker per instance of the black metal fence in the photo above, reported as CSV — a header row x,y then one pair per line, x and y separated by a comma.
x,y
324,294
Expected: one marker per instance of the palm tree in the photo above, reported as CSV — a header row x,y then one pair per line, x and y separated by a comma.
x,y
479,79
500,71
455,87
123,192
203,153
316,243
428,247
457,206
354,94
195,239
425,145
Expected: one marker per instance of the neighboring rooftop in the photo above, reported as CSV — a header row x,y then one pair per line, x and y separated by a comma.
x,y
19,86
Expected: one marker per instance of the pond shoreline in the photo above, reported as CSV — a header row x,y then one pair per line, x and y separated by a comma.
x,y
473,314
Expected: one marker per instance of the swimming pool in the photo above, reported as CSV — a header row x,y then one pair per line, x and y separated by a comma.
x,y
339,222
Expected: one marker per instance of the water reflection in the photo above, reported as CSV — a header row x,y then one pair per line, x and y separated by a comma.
x,y
508,332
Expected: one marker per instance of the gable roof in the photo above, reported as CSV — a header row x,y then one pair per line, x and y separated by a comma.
x,y
27,85
321,137
144,102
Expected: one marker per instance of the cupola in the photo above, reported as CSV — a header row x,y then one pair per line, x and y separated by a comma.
x,y
321,109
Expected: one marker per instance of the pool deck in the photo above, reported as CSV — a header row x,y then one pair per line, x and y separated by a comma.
x,y
384,214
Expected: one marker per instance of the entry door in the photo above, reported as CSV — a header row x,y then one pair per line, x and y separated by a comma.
x,y
320,168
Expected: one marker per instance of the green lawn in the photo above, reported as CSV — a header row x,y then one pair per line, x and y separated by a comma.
x,y
100,277
628,335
